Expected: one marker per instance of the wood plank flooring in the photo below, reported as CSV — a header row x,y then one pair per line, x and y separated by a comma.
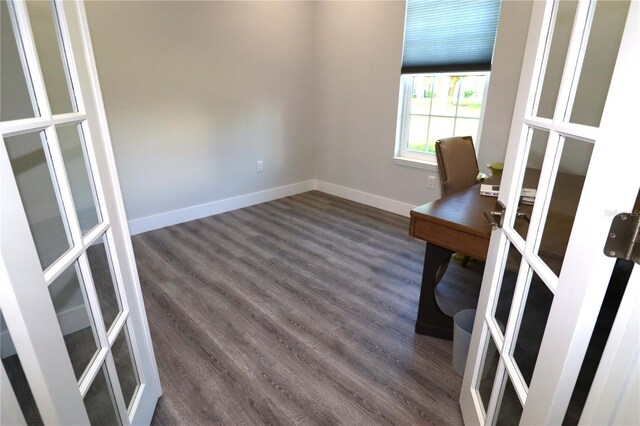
x,y
296,311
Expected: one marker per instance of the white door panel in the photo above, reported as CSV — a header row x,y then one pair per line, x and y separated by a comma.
x,y
546,275
70,290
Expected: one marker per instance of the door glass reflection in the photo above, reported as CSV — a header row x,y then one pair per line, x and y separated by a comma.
x,y
510,407
507,287
34,178
75,162
557,53
16,100
74,315
600,58
125,365
50,54
100,402
104,281
538,147
534,321
15,374
489,368
569,181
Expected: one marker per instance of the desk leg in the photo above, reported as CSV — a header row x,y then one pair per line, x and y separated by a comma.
x,y
431,320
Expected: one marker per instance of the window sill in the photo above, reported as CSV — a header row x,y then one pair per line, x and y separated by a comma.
x,y
412,162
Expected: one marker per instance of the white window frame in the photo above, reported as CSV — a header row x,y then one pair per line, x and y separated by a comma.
x,y
426,160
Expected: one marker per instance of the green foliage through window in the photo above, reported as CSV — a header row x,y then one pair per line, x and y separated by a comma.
x,y
441,106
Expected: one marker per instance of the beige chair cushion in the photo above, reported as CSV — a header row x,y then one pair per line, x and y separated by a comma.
x,y
457,163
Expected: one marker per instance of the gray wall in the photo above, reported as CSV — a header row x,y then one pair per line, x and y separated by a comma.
x,y
511,39
359,52
197,92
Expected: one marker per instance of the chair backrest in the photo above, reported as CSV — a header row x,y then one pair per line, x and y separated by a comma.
x,y
457,163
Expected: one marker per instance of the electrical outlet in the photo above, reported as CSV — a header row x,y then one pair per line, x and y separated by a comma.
x,y
259,166
431,182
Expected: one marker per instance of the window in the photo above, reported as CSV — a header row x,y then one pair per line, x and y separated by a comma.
x,y
448,48
435,106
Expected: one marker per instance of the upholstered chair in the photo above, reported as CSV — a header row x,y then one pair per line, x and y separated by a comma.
x,y
457,163
458,167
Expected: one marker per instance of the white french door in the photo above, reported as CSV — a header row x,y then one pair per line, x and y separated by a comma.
x,y
573,140
75,346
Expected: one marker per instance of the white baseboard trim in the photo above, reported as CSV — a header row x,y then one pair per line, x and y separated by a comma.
x,y
71,320
372,200
161,220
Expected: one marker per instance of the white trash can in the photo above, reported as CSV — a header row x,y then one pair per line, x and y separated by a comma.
x,y
462,328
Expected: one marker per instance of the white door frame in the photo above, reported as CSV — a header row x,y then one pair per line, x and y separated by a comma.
x,y
616,386
607,191
11,413
115,205
24,296
24,305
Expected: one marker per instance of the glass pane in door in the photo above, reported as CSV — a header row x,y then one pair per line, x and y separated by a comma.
x,y
74,315
100,401
572,170
125,365
104,281
72,146
16,100
600,57
535,157
17,378
556,54
50,54
489,368
510,407
44,213
507,287
532,325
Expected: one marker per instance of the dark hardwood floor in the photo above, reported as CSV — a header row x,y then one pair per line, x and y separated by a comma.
x,y
296,311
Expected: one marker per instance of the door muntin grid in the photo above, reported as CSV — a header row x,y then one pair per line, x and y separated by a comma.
x,y
30,160
14,84
80,241
560,130
55,71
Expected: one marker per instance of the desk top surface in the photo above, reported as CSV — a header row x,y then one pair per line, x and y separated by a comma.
x,y
463,210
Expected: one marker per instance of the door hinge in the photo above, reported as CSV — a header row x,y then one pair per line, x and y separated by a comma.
x,y
623,241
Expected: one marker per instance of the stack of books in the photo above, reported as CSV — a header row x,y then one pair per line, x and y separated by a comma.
x,y
490,190
527,195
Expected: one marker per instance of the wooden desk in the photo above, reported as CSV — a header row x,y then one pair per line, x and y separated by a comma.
x,y
456,223
451,224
